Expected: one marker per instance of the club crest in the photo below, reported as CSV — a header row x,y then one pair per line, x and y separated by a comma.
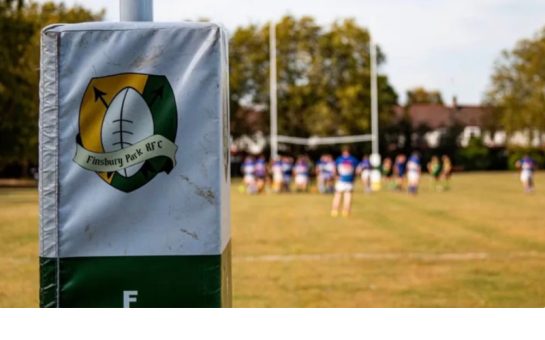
x,y
127,129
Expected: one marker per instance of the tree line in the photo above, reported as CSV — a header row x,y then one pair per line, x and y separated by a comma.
x,y
323,80
517,87
20,26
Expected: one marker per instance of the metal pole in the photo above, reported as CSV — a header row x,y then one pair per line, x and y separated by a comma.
x,y
374,98
272,91
136,10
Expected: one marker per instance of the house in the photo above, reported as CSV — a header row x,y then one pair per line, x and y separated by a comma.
x,y
436,119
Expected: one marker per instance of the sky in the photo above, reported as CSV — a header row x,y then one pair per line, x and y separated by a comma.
x,y
448,45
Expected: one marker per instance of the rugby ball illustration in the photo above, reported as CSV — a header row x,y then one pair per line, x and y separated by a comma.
x,y
127,121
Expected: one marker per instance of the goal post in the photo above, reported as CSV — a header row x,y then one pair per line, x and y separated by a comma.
x,y
375,155
373,137
134,187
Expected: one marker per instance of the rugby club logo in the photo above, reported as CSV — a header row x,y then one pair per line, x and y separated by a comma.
x,y
127,129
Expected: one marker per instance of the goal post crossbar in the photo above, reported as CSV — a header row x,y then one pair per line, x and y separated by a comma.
x,y
275,138
311,141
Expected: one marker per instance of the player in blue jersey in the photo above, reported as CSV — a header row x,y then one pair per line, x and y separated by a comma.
x,y
260,173
346,172
248,170
287,168
413,173
301,174
364,170
325,174
527,167
399,171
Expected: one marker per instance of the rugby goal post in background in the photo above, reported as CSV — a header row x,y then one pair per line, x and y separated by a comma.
x,y
373,137
134,164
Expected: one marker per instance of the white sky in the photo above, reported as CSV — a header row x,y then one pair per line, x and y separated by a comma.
x,y
449,45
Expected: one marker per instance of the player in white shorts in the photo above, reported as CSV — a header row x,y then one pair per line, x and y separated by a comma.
x,y
301,173
527,167
325,173
413,173
248,170
346,171
319,174
364,169
260,173
329,174
277,175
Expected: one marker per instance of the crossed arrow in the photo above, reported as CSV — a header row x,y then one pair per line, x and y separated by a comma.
x,y
157,93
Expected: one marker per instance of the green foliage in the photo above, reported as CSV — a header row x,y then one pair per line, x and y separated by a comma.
x,y
15,88
516,154
475,156
20,26
516,92
448,142
420,95
323,77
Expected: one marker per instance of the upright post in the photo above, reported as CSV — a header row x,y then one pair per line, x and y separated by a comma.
x,y
374,98
375,156
273,98
136,10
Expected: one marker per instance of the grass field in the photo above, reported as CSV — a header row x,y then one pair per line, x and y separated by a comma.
x,y
482,244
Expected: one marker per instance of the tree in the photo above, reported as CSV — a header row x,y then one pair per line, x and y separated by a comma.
x,y
420,95
15,105
517,90
323,77
476,156
20,26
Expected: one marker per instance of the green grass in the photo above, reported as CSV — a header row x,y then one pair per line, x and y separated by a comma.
x,y
482,244
18,247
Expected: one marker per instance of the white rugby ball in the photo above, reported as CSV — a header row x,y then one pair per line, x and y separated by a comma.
x,y
128,120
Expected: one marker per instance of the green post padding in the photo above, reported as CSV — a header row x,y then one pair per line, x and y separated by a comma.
x,y
160,281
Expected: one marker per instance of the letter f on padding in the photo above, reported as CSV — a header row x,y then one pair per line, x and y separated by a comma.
x,y
128,297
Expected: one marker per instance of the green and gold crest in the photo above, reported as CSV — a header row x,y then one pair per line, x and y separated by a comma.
x,y
127,129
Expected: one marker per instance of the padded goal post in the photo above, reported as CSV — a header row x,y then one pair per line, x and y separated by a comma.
x,y
134,165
